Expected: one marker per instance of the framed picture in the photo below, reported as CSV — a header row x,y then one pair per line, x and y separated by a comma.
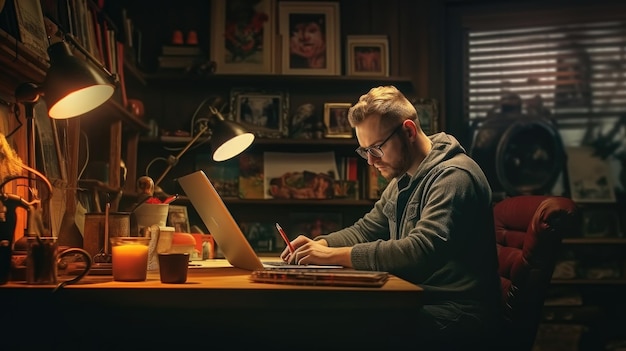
x,y
600,223
242,36
310,38
31,26
299,175
336,120
178,218
367,55
590,178
224,175
262,112
427,112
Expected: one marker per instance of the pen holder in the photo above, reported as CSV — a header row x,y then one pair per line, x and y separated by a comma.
x,y
151,214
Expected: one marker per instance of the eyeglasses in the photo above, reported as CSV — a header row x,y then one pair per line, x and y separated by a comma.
x,y
376,150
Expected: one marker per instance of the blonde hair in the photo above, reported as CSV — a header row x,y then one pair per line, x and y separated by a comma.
x,y
385,101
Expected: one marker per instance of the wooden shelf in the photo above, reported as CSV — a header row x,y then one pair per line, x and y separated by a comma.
x,y
290,202
173,140
594,241
621,281
239,79
297,202
19,64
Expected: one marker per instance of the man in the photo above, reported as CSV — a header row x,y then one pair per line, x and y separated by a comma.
x,y
432,226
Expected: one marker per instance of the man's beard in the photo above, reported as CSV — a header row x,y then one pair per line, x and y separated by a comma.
x,y
405,163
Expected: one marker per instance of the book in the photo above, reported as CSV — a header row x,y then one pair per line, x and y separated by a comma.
x,y
376,183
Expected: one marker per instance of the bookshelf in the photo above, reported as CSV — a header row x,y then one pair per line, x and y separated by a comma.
x,y
112,132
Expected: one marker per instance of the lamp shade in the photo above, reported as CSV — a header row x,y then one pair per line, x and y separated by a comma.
x,y
72,86
228,139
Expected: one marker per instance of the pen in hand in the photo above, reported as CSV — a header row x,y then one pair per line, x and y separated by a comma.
x,y
284,236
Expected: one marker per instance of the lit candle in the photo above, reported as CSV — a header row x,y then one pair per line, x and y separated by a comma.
x,y
130,262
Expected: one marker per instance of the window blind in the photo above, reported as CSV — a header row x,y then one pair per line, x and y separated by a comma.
x,y
574,73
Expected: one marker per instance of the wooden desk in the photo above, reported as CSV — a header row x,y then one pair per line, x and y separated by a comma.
x,y
217,306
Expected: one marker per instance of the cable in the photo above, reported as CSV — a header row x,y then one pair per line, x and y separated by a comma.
x,y
82,170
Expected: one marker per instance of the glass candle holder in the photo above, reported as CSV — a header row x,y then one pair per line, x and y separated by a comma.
x,y
129,258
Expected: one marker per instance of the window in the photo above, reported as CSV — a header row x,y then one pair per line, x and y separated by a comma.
x,y
574,73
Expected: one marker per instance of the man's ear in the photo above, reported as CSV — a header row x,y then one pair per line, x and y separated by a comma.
x,y
410,128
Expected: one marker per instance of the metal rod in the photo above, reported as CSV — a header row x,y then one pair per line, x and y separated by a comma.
x,y
173,160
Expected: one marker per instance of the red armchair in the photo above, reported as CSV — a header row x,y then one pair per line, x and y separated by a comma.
x,y
529,230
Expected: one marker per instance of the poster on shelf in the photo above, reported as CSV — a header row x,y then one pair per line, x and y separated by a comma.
x,y
299,175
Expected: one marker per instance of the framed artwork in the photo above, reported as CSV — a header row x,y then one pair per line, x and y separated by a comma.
x,y
310,38
427,112
291,175
31,26
590,178
242,36
600,223
262,112
336,120
224,175
367,55
178,218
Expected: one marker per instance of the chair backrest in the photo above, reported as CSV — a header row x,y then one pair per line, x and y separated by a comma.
x,y
529,230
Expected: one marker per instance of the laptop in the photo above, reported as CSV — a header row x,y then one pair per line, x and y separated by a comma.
x,y
222,226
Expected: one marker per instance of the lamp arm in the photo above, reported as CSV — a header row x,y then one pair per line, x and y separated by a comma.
x,y
69,37
173,160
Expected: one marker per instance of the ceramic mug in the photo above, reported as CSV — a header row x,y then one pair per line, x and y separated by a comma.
x,y
44,258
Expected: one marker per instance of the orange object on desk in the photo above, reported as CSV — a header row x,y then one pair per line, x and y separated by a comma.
x,y
201,239
130,262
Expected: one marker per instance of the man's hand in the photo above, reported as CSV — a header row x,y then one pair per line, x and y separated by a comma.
x,y
308,251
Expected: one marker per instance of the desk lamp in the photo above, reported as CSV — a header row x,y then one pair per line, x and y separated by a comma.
x,y
72,87
227,139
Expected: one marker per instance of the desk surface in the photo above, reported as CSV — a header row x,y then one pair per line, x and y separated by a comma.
x,y
231,288
218,301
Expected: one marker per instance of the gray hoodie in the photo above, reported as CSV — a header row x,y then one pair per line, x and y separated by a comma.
x,y
444,238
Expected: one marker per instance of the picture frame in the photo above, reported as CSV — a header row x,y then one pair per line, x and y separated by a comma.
x,y
299,176
600,223
336,120
427,113
178,217
321,18
367,55
242,36
263,112
590,178
32,30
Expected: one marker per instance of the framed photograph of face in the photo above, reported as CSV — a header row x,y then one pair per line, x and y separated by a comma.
x,y
367,55
336,120
242,36
262,112
310,38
